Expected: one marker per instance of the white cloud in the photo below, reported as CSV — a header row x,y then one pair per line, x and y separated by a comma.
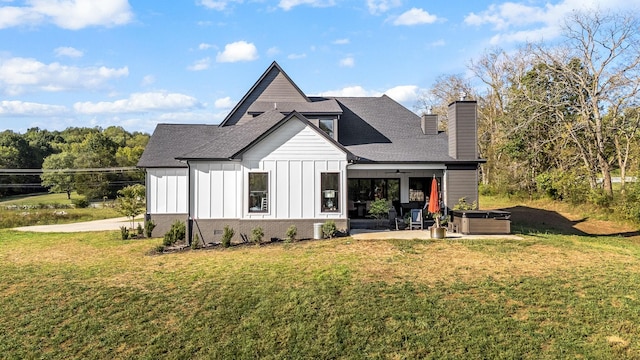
x,y
148,80
515,22
415,16
296,56
273,51
21,108
140,102
403,93
199,65
204,46
351,91
218,5
238,51
341,41
438,43
223,103
287,5
18,75
347,62
377,7
67,14
68,52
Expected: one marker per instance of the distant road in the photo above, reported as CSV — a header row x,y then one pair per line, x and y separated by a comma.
x,y
96,225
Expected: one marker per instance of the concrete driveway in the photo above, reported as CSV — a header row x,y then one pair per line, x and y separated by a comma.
x,y
96,225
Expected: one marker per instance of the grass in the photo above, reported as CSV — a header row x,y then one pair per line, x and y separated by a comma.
x,y
45,209
95,296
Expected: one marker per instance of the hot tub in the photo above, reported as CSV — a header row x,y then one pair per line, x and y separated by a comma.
x,y
477,222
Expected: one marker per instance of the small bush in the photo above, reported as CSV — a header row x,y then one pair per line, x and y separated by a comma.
x,y
80,203
292,232
148,228
257,234
329,229
139,229
124,232
195,244
227,235
464,205
176,233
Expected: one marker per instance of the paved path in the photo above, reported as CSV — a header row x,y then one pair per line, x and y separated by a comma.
x,y
96,225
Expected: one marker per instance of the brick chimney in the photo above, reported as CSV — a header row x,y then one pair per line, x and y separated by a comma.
x,y
463,130
429,124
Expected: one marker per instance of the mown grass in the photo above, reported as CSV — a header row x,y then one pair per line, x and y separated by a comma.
x,y
95,296
46,209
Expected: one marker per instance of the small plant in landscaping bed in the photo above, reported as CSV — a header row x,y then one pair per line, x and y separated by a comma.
x,y
177,232
464,205
124,232
148,228
329,229
139,229
227,235
292,232
257,234
195,244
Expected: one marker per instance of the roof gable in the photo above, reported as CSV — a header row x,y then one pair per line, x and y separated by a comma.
x,y
272,87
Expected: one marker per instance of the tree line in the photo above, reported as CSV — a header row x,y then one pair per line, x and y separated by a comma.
x,y
65,155
558,118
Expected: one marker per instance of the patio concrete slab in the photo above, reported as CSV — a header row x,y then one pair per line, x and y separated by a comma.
x,y
365,234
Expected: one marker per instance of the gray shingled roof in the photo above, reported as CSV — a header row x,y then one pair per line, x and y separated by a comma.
x,y
381,130
171,140
326,106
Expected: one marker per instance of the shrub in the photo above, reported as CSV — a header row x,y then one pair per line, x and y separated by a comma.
x,y
148,228
257,234
80,203
195,244
124,232
292,232
464,205
139,229
227,235
329,229
177,232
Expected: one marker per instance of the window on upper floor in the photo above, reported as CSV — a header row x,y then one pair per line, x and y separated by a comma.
x,y
326,125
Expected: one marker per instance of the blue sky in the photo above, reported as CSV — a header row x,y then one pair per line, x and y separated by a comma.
x,y
137,63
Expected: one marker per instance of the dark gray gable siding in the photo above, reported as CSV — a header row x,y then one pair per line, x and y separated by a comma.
x,y
274,85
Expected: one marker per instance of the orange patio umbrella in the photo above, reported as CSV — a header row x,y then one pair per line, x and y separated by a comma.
x,y
434,199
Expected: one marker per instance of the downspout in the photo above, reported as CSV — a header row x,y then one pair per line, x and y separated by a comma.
x,y
147,193
189,218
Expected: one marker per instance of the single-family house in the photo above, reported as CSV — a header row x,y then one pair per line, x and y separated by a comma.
x,y
283,158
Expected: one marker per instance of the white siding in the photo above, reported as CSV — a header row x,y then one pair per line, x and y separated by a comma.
x,y
167,191
294,156
215,189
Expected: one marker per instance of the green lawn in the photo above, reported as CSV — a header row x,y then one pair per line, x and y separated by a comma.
x,y
95,296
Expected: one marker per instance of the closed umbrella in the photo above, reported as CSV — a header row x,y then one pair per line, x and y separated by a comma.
x,y
434,200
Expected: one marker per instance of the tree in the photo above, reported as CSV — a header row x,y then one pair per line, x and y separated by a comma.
x,y
131,201
607,47
56,175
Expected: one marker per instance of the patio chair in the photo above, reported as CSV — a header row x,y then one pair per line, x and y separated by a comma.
x,y
416,219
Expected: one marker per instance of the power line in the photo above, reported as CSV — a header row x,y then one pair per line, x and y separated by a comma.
x,y
69,171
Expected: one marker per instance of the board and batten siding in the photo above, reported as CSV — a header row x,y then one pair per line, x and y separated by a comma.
x,y
167,190
216,190
462,130
461,184
294,156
